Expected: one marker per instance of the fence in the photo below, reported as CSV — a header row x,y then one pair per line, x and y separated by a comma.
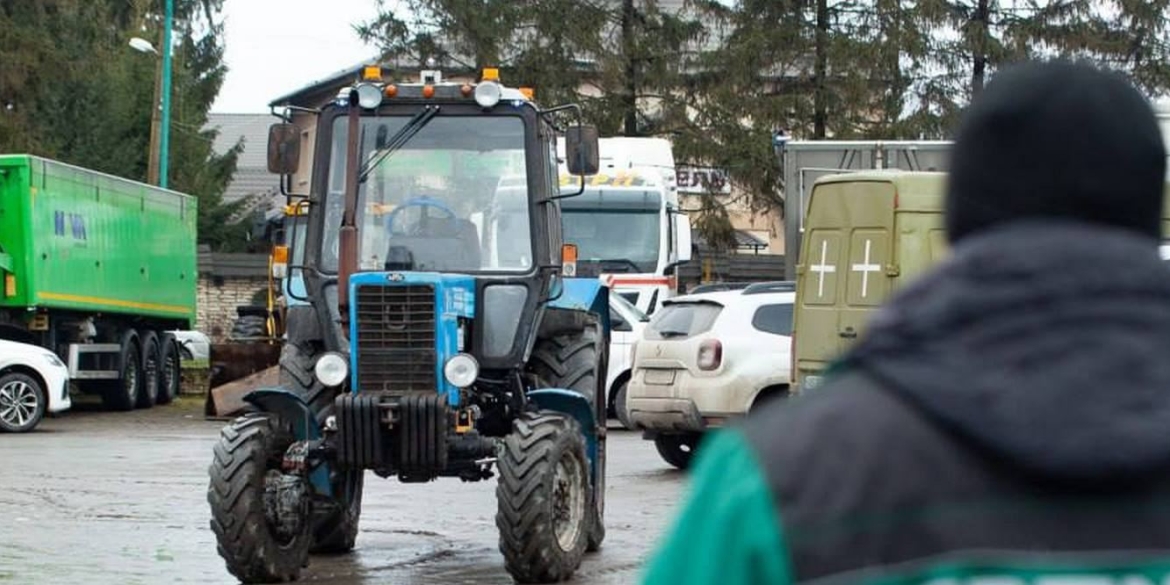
x,y
730,267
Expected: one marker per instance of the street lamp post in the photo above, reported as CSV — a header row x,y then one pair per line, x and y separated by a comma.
x,y
160,133
165,139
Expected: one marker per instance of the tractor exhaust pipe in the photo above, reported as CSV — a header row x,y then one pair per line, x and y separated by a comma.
x,y
347,238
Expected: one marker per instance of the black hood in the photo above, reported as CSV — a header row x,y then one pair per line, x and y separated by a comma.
x,y
1043,343
1057,140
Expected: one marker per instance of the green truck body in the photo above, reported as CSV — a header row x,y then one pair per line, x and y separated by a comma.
x,y
75,239
100,270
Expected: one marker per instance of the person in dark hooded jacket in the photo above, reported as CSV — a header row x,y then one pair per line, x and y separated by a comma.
x,y
1006,417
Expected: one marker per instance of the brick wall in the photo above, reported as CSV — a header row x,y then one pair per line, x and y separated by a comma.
x,y
218,297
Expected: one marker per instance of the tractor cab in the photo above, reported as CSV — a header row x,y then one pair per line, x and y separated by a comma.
x,y
442,333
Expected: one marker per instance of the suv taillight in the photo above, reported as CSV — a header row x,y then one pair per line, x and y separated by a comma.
x,y
710,354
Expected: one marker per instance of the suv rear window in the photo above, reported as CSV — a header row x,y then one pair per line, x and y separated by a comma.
x,y
681,320
774,319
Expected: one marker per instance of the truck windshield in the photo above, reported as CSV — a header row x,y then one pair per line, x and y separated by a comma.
x,y
625,240
419,208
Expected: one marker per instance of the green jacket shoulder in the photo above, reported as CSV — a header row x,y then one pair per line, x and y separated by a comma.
x,y
728,530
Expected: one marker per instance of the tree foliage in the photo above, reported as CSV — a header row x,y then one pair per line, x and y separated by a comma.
x,y
89,101
721,77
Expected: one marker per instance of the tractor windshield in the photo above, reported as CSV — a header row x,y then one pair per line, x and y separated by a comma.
x,y
422,207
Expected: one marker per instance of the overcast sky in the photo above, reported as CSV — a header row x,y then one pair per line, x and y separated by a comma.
x,y
274,47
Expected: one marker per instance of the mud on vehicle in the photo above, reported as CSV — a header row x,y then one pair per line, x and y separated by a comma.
x,y
437,334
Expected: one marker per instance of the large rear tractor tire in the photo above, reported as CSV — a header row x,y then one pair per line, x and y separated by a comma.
x,y
335,532
151,370
170,370
576,362
569,361
123,393
296,374
260,516
543,498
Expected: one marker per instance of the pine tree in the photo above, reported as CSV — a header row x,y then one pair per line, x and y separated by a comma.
x,y
89,101
971,39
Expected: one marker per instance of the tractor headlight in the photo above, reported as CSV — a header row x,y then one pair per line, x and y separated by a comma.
x,y
487,94
369,96
461,370
331,369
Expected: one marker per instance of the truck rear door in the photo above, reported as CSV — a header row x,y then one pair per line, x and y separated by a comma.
x,y
843,272
871,223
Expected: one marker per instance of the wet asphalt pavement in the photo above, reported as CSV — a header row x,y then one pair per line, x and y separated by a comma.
x,y
99,497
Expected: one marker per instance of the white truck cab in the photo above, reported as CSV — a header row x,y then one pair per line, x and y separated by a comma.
x,y
627,224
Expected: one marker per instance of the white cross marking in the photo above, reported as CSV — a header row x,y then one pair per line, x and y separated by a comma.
x,y
865,268
823,268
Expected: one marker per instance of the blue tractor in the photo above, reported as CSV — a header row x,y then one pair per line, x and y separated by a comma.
x,y
434,330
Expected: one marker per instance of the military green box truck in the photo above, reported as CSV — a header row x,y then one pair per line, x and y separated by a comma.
x,y
97,269
866,235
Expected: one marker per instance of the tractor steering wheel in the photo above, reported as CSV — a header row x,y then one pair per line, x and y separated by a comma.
x,y
421,202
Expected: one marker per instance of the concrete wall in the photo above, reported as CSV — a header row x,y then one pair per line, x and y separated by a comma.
x,y
218,297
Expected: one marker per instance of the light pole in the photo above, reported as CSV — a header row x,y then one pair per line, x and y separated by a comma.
x,y
160,131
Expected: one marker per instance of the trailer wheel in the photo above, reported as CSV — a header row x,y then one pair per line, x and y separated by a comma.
x,y
170,369
543,498
122,394
576,361
151,370
258,514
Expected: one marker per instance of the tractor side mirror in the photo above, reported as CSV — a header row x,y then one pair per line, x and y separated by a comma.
x,y
581,151
284,149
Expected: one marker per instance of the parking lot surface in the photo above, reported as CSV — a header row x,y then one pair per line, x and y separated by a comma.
x,y
99,497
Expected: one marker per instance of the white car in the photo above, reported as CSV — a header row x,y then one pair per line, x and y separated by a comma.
x,y
193,345
33,381
626,325
706,358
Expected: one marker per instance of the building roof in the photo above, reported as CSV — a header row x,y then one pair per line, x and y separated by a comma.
x,y
252,176
743,241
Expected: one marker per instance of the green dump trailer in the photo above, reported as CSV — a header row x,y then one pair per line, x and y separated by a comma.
x,y
97,269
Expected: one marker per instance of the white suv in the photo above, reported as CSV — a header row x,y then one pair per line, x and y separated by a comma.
x,y
704,358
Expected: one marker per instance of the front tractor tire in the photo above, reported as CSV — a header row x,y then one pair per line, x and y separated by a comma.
x,y
260,516
543,497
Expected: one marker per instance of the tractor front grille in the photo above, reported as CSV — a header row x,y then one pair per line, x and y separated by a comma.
x,y
396,338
